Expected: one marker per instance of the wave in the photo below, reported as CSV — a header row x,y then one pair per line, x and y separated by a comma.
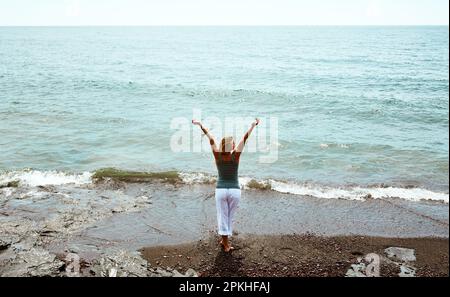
x,y
358,193
325,192
35,178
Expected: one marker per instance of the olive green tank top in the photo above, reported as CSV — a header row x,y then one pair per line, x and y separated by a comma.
x,y
228,173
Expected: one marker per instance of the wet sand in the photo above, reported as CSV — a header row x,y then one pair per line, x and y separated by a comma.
x,y
183,214
116,218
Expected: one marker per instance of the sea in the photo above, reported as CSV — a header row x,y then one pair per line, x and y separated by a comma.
x,y
349,112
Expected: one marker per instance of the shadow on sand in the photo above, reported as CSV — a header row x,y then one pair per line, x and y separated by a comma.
x,y
228,265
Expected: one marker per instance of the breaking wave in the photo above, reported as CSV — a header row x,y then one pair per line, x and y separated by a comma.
x,y
358,193
320,191
35,178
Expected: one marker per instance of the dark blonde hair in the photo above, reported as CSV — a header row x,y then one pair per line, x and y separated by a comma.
x,y
226,145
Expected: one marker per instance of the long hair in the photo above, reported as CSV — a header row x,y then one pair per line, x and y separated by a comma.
x,y
226,145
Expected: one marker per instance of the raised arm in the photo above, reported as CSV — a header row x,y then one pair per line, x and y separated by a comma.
x,y
212,141
242,143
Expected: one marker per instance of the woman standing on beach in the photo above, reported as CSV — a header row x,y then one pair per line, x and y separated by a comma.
x,y
228,190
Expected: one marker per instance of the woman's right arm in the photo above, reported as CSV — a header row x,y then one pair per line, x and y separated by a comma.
x,y
212,141
241,144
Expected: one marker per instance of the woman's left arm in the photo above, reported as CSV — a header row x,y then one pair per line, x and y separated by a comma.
x,y
244,139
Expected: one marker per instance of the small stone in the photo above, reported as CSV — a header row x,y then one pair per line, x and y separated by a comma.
x,y
113,272
191,273
175,273
407,271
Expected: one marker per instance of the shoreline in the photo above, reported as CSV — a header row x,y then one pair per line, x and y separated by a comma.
x,y
407,190
106,223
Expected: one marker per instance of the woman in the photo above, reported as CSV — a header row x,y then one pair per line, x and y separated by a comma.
x,y
228,191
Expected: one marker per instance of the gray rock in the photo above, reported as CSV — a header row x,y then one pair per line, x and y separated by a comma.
x,y
5,243
191,273
33,262
121,264
401,254
168,272
407,271
175,273
356,270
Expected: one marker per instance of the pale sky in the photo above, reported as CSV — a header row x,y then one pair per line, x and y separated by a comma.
x,y
223,12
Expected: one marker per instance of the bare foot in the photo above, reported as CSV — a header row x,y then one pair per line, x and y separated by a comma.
x,y
228,249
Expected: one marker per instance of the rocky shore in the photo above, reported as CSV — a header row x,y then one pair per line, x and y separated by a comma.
x,y
116,228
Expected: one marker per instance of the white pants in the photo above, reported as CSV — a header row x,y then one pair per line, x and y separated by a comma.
x,y
227,201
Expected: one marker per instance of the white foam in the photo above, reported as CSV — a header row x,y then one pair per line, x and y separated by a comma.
x,y
195,178
44,178
7,192
320,191
326,145
243,181
358,193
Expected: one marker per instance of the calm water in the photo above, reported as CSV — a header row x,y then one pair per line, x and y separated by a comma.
x,y
356,105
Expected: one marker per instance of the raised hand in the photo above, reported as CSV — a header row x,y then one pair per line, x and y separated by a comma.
x,y
195,122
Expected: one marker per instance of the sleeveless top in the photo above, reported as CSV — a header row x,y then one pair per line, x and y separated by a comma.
x,y
228,173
